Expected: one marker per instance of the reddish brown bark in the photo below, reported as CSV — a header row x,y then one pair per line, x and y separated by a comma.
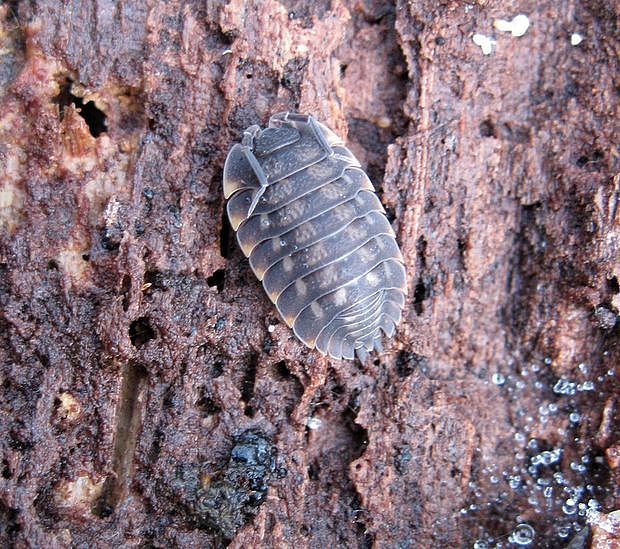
x,y
151,396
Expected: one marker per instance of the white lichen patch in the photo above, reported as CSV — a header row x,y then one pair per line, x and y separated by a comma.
x,y
313,423
517,27
69,408
12,163
11,202
485,43
79,494
72,263
111,212
576,39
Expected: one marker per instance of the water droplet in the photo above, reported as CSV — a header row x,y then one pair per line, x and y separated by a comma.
x,y
282,242
498,379
569,507
522,535
578,467
514,481
574,417
586,386
564,387
548,361
563,532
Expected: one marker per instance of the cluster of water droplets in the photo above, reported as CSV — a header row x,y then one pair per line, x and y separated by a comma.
x,y
547,481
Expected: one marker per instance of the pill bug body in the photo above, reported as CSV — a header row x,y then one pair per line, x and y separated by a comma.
x,y
316,235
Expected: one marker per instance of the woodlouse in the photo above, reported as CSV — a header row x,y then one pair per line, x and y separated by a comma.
x,y
317,237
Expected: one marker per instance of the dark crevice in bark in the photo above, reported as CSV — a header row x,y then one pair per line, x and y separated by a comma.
x,y
128,423
94,117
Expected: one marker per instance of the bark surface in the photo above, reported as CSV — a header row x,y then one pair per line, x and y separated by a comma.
x,y
149,394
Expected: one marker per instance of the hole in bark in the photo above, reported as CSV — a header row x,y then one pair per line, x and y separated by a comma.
x,y
440,40
247,386
8,517
140,331
155,449
217,370
125,289
343,69
95,118
109,241
158,280
18,442
207,405
225,232
590,160
216,280
407,362
421,249
6,471
612,284
281,370
487,128
43,359
313,471
420,294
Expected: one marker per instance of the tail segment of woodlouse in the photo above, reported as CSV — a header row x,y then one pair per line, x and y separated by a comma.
x,y
307,217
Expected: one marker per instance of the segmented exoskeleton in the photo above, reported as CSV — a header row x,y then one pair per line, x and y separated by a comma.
x,y
316,235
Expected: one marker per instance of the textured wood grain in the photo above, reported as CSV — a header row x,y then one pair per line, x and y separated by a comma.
x,y
148,393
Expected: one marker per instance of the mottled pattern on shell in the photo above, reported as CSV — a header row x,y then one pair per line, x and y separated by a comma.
x,y
308,218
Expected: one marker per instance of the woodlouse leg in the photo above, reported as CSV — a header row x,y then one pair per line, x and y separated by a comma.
x,y
249,135
318,134
361,354
258,170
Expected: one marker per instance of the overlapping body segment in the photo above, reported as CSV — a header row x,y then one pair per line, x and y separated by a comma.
x,y
316,235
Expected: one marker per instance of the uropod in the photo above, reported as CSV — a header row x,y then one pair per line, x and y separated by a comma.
x,y
308,219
